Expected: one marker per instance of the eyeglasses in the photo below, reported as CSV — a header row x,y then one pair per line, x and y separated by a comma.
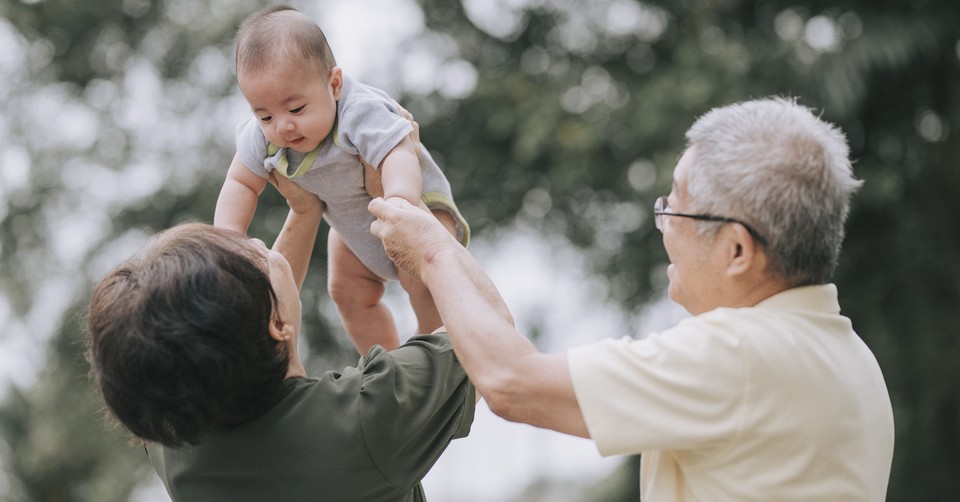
x,y
661,209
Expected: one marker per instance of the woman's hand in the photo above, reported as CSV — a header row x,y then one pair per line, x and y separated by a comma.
x,y
299,200
371,180
415,134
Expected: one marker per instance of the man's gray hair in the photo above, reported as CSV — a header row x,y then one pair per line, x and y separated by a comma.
x,y
773,164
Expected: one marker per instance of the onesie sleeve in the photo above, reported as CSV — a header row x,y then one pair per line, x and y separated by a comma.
x,y
413,401
372,127
252,147
684,387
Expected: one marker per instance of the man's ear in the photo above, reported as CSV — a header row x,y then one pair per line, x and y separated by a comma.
x,y
336,82
280,330
742,250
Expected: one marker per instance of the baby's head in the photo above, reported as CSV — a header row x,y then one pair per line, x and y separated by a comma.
x,y
289,77
282,35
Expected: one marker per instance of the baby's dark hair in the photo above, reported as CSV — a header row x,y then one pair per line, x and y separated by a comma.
x,y
282,33
178,336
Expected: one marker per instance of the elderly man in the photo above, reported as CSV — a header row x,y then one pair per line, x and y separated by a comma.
x,y
767,392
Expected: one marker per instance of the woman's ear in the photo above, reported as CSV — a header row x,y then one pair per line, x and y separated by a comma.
x,y
280,330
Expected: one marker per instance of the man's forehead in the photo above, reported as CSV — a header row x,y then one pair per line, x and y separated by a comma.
x,y
682,170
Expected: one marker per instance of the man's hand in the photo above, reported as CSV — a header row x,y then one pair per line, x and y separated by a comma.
x,y
299,200
410,235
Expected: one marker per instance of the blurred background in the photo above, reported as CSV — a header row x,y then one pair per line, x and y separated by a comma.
x,y
558,123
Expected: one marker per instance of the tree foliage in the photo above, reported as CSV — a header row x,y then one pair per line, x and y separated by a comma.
x,y
888,73
574,125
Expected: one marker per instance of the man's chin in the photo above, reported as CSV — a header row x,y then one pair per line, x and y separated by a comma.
x,y
671,284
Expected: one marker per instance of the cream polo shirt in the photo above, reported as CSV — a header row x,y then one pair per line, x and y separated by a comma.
x,y
780,401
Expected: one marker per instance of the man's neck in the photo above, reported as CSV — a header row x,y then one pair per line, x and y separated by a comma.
x,y
748,293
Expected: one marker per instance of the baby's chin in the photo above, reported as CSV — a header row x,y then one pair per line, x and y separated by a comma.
x,y
304,146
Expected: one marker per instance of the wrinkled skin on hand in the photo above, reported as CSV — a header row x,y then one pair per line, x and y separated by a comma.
x,y
410,235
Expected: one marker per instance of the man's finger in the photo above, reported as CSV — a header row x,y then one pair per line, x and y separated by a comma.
x,y
399,202
379,207
376,228
376,207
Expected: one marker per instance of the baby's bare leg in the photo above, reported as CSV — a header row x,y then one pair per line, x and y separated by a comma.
x,y
358,293
428,318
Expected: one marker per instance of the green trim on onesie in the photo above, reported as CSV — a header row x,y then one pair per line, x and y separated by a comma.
x,y
283,166
437,200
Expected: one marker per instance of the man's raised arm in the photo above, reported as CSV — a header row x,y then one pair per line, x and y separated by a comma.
x,y
518,382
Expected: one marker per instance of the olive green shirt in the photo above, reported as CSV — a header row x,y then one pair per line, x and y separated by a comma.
x,y
368,433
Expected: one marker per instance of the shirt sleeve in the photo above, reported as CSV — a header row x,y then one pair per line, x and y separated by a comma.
x,y
252,147
371,126
682,388
413,401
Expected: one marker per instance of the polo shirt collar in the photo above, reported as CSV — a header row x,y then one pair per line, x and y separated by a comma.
x,y
820,297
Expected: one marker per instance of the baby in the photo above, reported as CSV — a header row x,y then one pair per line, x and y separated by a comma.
x,y
315,126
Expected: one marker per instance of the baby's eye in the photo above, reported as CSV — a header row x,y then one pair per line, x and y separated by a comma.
x,y
266,118
297,109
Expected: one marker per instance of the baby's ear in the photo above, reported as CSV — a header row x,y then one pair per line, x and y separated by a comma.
x,y
336,82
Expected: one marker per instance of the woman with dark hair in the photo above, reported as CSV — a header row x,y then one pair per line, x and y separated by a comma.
x,y
193,344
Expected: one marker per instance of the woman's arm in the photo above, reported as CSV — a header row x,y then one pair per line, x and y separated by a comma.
x,y
296,240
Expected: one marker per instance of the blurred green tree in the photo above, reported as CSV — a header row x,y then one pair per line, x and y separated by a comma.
x,y
581,122
107,105
574,125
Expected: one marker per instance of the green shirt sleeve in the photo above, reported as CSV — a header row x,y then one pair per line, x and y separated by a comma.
x,y
413,401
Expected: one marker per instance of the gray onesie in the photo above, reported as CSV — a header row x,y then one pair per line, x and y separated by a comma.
x,y
368,125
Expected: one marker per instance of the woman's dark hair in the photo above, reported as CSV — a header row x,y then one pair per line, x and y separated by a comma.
x,y
178,336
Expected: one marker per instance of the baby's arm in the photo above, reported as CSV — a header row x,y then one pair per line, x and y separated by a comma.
x,y
400,172
238,198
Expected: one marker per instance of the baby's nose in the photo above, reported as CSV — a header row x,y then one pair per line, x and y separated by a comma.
x,y
285,126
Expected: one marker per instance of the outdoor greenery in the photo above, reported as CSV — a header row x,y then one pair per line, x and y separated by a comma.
x,y
119,117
